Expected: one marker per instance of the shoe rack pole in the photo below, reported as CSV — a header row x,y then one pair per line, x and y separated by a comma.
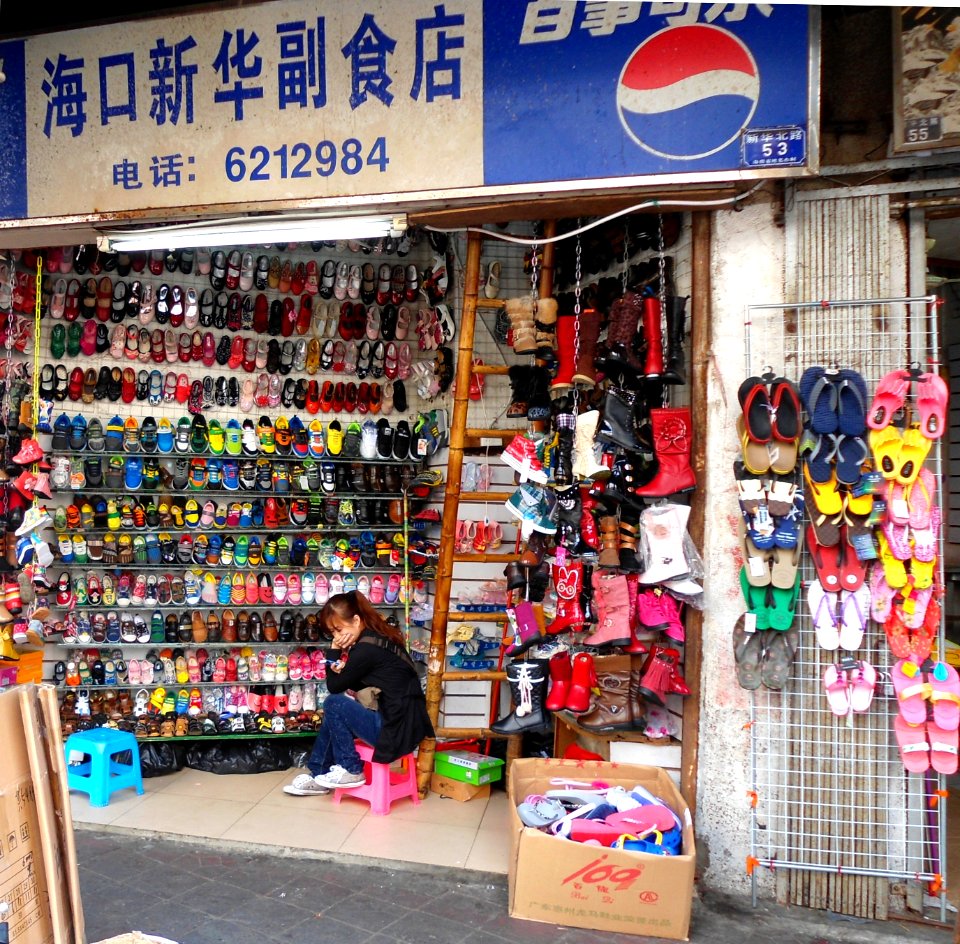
x,y
693,648
451,502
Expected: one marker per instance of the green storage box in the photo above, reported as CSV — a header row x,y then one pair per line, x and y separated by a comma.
x,y
467,767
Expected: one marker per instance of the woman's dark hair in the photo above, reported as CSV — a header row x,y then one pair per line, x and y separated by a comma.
x,y
346,606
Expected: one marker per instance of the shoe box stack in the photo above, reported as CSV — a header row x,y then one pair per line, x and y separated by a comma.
x,y
198,502
872,536
599,474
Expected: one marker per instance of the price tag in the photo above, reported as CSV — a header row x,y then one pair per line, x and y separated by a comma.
x,y
899,509
422,447
560,556
757,565
750,622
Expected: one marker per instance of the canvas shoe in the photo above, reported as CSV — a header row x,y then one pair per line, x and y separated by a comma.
x,y
164,436
114,434
521,455
368,440
337,778
133,473
233,438
316,447
182,440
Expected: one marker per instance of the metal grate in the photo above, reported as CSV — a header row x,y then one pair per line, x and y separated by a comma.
x,y
832,795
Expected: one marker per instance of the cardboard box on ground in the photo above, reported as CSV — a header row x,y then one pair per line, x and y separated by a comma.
x,y
569,883
38,864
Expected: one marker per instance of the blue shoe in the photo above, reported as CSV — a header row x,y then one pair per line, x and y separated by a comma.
x,y
231,475
256,512
61,433
165,435
133,472
223,592
114,437
78,433
153,549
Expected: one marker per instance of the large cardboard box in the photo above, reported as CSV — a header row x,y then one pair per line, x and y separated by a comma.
x,y
570,883
457,789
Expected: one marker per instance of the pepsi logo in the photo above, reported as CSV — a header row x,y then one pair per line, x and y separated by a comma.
x,y
688,91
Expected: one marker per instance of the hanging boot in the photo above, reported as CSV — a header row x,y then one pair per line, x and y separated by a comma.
x,y
664,533
519,375
520,312
635,648
568,580
537,546
569,513
561,671
617,425
609,542
651,612
619,353
662,676
566,360
583,678
526,631
566,424
585,464
613,604
653,338
516,577
588,524
673,608
629,546
527,683
586,597
547,330
611,710
586,371
637,662
676,331
622,485
538,582
671,442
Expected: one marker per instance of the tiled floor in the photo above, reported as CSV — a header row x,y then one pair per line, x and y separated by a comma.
x,y
252,808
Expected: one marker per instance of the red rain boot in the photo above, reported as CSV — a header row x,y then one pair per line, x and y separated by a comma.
x,y
566,360
569,582
583,678
653,337
561,670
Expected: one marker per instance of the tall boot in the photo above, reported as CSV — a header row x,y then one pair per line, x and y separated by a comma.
x,y
637,663
635,647
671,442
611,710
526,631
653,338
613,596
537,545
569,515
664,533
539,407
629,546
617,425
676,331
662,676
582,680
588,524
624,322
547,328
566,424
527,683
561,671
586,596
520,312
519,375
586,371
538,582
568,581
609,542
585,464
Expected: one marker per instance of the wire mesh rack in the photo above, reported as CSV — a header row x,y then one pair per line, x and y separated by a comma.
x,y
830,793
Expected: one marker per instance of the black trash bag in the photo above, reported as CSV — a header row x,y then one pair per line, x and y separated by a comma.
x,y
247,757
156,760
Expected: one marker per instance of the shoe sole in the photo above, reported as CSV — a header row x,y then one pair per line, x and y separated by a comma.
x,y
345,786
296,791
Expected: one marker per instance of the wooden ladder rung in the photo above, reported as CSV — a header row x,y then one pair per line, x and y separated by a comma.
x,y
485,558
462,616
463,675
494,303
457,733
500,369
504,434
484,496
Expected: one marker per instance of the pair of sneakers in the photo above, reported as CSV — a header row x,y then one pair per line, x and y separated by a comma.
x,y
335,778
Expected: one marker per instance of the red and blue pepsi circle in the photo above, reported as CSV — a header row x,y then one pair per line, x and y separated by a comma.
x,y
687,92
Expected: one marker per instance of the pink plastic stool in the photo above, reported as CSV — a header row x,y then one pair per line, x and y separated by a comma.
x,y
383,785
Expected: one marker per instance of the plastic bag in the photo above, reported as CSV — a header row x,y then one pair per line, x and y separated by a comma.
x,y
240,757
156,760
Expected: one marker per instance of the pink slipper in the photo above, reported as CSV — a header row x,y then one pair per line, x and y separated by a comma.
x,y
943,748
891,392
945,696
881,594
863,683
919,500
933,395
912,691
921,599
925,539
898,537
835,685
914,748
898,511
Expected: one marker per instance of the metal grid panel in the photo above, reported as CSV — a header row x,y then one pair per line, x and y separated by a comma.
x,y
833,795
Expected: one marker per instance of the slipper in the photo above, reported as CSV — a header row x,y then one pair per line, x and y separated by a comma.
x,y
898,636
538,811
913,453
823,609
922,640
921,600
851,403
756,456
853,570
912,692
943,748
835,686
750,494
780,497
756,600
749,662
854,613
918,501
640,819
921,572
898,539
851,452
933,395
826,561
785,563
756,560
863,684
819,396
885,444
784,606
945,696
819,463
893,570
825,495
914,747
881,594
888,399
785,419
925,540
778,658
755,402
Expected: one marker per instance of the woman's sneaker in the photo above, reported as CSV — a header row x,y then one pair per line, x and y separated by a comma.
x,y
338,778
306,785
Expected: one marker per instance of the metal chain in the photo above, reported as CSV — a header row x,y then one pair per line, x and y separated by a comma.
x,y
662,294
625,271
577,290
535,277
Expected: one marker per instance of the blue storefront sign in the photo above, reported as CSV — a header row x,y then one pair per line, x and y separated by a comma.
x,y
297,100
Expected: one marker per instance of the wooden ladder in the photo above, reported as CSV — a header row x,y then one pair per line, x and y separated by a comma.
x,y
463,437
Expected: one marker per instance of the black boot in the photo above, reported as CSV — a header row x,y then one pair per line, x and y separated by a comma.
x,y
617,424
569,513
538,581
538,395
528,684
519,375
586,596
676,327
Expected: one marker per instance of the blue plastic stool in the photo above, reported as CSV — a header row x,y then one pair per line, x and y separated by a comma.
x,y
99,774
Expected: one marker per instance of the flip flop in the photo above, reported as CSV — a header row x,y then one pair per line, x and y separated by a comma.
x,y
863,684
893,570
784,607
888,399
819,396
755,401
788,533
898,636
914,747
823,609
851,403
785,418
851,452
819,462
922,639
945,696
933,396
881,594
756,560
756,456
912,691
854,613
921,600
925,539
785,563
825,495
912,455
943,748
778,658
919,500
853,570
885,444
749,664
826,561
835,686
539,811
756,600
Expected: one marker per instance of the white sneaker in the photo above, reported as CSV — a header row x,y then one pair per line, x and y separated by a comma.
x,y
368,440
337,777
305,785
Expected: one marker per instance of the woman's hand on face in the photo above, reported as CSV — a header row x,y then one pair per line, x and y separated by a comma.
x,y
345,638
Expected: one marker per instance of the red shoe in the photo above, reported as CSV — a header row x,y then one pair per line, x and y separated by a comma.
x,y
350,398
363,397
359,321
196,346
236,353
249,362
183,348
345,324
261,314
75,387
234,315
376,398
326,396
313,396
209,350
289,318
176,306
306,312
298,281
183,388
270,513
338,396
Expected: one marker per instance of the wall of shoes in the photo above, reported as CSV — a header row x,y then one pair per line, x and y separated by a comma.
x,y
228,435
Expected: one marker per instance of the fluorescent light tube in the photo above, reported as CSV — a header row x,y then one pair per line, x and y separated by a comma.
x,y
254,231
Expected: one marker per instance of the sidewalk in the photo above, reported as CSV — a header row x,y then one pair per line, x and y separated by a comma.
x,y
210,894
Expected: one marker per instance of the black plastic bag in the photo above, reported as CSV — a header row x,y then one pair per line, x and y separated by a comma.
x,y
245,757
159,759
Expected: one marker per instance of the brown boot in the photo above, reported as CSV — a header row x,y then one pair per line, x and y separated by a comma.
x,y
609,542
622,331
613,708
535,550
520,312
545,323
586,372
629,545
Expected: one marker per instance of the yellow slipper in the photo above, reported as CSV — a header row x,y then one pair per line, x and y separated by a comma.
x,y
826,495
913,453
886,444
756,456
